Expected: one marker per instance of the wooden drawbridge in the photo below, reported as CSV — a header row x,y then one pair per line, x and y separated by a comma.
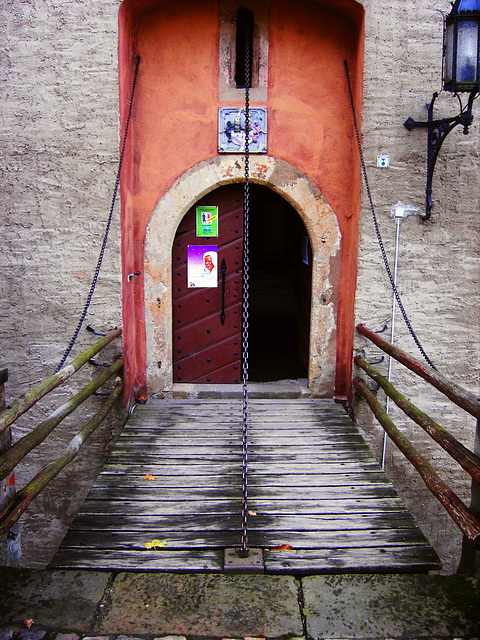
x,y
318,501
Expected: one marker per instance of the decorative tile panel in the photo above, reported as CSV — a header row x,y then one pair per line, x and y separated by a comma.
x,y
231,130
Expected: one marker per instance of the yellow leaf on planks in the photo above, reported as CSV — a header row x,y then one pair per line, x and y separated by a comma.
x,y
148,476
155,544
282,547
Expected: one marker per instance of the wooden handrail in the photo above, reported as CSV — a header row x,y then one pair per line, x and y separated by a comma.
x,y
28,399
10,459
459,396
12,512
468,460
459,512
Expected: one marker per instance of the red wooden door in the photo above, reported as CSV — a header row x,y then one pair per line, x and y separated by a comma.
x,y
204,348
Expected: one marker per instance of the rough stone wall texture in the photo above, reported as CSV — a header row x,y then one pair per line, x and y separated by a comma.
x,y
60,140
59,154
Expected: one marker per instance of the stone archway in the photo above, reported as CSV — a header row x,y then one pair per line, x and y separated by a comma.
x,y
322,227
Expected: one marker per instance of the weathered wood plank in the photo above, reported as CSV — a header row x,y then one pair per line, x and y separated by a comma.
x,y
168,561
171,468
177,540
125,480
262,450
233,507
204,522
256,458
197,467
178,493
207,438
232,420
396,559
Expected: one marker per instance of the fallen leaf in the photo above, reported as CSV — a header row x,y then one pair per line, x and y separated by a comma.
x,y
148,476
28,623
282,547
252,513
155,544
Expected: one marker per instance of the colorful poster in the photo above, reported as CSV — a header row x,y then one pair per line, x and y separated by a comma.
x,y
202,266
207,222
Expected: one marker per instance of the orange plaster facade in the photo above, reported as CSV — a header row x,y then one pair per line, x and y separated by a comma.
x,y
174,127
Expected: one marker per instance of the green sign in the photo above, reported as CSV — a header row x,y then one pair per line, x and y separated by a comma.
x,y
207,222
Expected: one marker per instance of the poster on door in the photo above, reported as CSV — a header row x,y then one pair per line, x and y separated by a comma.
x,y
207,222
202,266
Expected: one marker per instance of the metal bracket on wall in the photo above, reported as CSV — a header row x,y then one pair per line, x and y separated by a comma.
x,y
438,130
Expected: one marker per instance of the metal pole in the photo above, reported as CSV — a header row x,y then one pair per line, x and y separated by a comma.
x,y
392,333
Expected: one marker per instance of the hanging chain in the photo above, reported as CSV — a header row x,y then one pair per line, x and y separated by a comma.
x,y
245,315
377,230
107,230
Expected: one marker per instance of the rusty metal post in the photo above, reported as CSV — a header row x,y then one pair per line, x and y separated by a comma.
x,y
10,552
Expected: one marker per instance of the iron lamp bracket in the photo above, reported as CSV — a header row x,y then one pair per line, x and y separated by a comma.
x,y
438,130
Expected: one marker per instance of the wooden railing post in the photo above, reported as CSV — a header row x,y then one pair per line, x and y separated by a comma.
x,y
10,552
470,559
3,380
475,503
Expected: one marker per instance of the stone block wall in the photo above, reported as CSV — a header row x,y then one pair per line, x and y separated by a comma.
x,y
60,142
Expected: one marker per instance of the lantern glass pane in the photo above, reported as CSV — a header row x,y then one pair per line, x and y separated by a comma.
x,y
467,51
449,54
468,5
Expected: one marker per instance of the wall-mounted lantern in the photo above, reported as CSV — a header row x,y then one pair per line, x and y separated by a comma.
x,y
461,73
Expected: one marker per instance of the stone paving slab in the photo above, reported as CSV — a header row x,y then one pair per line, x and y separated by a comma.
x,y
63,600
202,605
392,606
71,605
280,389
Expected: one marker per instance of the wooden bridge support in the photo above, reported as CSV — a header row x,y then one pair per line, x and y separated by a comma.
x,y
10,550
470,560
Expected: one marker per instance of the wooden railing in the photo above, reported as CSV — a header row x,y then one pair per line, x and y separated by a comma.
x,y
11,456
463,516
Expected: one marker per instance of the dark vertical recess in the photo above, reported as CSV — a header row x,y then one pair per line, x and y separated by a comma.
x,y
280,290
244,30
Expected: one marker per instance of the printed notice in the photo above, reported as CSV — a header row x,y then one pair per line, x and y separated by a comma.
x,y
207,222
202,266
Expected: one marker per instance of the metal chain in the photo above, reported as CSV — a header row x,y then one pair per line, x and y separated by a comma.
x,y
245,314
107,230
377,230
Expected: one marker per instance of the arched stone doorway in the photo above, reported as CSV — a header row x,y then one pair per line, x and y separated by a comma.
x,y
320,224
208,311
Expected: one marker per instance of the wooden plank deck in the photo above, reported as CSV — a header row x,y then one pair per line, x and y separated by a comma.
x,y
313,485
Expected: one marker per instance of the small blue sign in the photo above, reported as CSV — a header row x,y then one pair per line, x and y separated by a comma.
x,y
231,130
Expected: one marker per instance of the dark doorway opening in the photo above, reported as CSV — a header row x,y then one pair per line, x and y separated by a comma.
x,y
280,289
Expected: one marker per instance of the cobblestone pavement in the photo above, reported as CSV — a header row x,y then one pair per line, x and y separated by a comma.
x,y
76,605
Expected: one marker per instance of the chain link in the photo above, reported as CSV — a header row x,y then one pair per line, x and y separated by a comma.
x,y
245,313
